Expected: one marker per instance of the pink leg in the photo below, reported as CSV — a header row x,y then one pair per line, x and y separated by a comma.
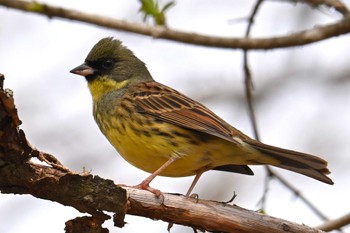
x,y
194,182
145,183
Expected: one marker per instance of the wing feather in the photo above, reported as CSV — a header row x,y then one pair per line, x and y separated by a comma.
x,y
169,105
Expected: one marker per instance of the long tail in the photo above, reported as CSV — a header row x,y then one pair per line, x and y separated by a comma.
x,y
308,165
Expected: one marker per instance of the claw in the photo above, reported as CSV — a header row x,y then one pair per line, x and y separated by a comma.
x,y
145,186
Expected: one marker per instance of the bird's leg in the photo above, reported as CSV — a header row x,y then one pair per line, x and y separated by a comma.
x,y
194,182
145,183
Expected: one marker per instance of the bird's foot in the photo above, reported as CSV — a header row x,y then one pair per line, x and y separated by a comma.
x,y
145,186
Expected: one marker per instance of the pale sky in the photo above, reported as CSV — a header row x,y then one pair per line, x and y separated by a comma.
x,y
303,97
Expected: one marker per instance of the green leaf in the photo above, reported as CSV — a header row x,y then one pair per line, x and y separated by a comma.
x,y
150,8
167,6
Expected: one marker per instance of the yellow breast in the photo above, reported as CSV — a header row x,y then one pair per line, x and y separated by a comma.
x,y
148,143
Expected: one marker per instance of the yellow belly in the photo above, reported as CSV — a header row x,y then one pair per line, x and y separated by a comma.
x,y
150,152
148,147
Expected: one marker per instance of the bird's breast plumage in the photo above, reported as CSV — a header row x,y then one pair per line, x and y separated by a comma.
x,y
147,142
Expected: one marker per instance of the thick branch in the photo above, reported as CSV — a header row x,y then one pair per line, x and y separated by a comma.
x,y
295,39
86,193
207,215
93,194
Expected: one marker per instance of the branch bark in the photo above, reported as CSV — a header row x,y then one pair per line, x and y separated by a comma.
x,y
95,195
305,37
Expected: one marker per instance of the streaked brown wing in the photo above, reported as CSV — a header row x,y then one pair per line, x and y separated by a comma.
x,y
168,105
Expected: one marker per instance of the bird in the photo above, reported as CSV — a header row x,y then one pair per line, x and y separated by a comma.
x,y
163,132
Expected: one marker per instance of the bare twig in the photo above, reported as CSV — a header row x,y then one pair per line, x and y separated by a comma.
x,y
250,103
298,194
247,74
52,161
335,223
335,4
295,39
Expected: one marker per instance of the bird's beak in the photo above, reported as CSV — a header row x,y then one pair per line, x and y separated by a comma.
x,y
83,70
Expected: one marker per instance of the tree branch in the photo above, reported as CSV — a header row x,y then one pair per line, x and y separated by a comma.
x,y
248,83
94,195
335,224
207,215
335,4
295,39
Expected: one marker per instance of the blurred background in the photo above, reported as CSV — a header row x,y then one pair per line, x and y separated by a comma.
x,y
302,102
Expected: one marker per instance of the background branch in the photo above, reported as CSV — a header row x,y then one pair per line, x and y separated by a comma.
x,y
335,224
295,39
248,83
335,4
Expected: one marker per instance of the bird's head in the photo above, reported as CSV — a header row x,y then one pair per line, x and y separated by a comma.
x,y
110,65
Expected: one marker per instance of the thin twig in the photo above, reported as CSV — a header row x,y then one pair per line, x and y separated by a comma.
x,y
268,177
249,96
335,4
295,39
335,223
298,194
249,88
247,74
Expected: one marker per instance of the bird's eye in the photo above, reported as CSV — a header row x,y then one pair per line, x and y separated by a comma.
x,y
107,64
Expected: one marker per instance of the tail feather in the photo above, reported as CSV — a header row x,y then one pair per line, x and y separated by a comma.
x,y
308,165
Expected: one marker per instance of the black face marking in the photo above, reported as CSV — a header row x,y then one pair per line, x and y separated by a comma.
x,y
103,65
89,78
107,64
